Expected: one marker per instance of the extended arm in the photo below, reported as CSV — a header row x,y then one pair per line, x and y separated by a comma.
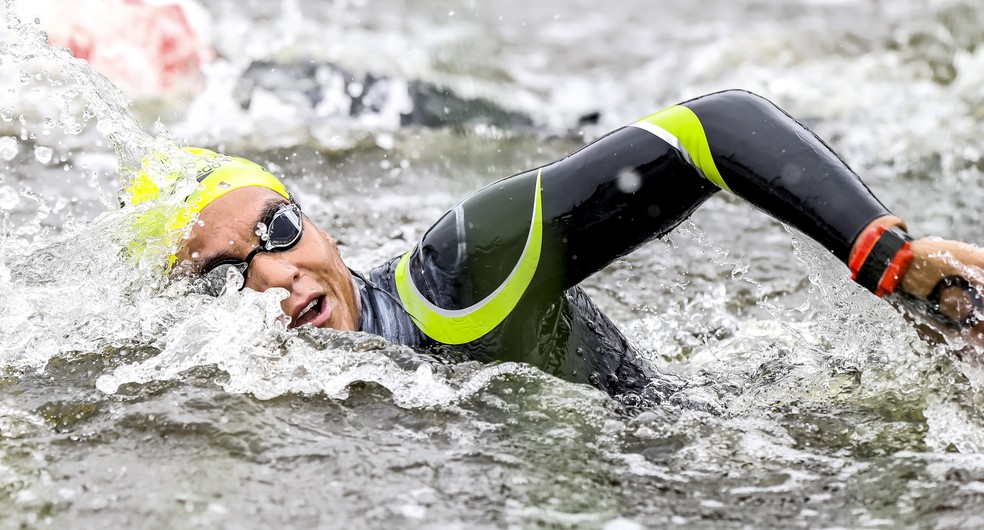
x,y
802,182
639,182
539,233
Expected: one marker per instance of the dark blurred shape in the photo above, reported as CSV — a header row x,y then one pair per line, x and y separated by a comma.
x,y
435,106
327,89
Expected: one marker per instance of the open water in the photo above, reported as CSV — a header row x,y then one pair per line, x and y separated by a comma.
x,y
126,401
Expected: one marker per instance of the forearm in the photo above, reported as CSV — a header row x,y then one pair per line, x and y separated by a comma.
x,y
748,146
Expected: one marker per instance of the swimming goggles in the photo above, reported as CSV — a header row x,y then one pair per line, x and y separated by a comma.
x,y
278,234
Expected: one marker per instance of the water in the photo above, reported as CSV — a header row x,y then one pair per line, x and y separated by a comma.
x,y
127,401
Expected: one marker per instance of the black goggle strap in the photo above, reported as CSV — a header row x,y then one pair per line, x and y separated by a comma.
x,y
243,266
249,257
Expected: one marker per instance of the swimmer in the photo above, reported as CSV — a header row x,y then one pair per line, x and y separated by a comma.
x,y
496,277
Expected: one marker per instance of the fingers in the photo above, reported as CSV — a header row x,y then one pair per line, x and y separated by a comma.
x,y
959,306
957,300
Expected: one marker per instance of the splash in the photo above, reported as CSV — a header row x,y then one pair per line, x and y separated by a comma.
x,y
72,95
242,334
88,289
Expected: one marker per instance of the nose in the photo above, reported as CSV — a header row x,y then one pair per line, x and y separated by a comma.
x,y
271,269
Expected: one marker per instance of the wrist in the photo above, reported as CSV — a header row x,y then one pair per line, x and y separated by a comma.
x,y
888,221
881,255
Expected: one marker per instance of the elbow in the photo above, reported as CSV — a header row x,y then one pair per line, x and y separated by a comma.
x,y
736,110
736,99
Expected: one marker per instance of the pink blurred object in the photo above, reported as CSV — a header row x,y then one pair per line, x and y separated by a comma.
x,y
150,48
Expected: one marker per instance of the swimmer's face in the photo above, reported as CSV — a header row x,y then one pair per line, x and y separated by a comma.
x,y
311,271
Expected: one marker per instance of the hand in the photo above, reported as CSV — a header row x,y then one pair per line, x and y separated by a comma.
x,y
943,288
935,259
948,277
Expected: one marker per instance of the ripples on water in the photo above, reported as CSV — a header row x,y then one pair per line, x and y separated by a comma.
x,y
127,401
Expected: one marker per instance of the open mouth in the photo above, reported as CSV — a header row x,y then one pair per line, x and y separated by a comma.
x,y
314,313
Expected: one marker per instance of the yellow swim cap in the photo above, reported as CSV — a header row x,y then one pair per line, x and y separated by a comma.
x,y
216,174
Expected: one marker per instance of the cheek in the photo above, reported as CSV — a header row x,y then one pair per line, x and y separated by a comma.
x,y
320,252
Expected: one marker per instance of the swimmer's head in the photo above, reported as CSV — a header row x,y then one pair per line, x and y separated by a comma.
x,y
246,217
216,175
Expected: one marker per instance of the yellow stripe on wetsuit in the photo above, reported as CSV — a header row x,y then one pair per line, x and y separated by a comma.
x,y
680,127
459,326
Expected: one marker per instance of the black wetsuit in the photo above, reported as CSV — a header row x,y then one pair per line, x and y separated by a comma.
x,y
496,277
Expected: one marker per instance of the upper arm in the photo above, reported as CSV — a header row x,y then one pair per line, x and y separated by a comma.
x,y
543,231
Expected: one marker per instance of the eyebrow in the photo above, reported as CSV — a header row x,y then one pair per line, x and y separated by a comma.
x,y
214,258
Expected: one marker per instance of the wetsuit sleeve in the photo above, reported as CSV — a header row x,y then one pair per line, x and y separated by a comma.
x,y
761,154
539,233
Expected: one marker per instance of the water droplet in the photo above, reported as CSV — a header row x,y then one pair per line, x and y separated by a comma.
x,y
4,272
107,127
43,154
8,198
195,255
8,148
223,185
629,181
385,141
7,114
451,13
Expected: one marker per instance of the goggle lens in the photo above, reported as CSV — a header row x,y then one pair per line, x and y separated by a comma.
x,y
284,229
